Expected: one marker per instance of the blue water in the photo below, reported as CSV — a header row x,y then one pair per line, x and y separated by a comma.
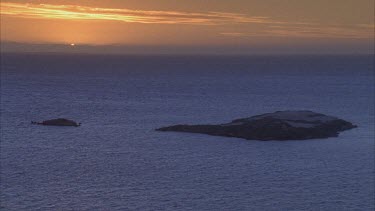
x,y
116,161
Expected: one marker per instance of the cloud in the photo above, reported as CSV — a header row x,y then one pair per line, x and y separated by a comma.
x,y
234,34
75,12
358,31
271,27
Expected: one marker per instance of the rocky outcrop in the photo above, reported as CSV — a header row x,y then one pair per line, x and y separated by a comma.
x,y
280,125
58,122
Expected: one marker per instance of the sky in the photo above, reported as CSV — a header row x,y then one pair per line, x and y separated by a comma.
x,y
193,26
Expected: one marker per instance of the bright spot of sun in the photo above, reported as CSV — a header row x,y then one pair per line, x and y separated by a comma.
x,y
72,44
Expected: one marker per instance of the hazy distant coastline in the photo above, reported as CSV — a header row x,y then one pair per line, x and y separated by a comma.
x,y
345,49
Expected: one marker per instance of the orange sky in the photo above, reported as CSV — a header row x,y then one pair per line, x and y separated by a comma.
x,y
251,24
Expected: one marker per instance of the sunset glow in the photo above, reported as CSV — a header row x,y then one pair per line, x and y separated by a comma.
x,y
187,105
247,24
75,12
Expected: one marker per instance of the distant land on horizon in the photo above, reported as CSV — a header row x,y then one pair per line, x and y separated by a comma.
x,y
118,49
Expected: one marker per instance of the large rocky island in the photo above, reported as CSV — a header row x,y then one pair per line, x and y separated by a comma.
x,y
280,125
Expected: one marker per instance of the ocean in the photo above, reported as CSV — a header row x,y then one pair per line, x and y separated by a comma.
x,y
117,161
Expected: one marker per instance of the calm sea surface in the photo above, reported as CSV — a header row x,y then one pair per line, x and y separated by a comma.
x,y
116,161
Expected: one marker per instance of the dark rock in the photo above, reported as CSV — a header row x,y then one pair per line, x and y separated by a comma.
x,y
280,125
58,122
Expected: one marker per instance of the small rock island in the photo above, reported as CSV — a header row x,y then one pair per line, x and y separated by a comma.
x,y
280,125
58,122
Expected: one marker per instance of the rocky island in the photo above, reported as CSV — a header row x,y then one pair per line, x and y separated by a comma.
x,y
58,122
280,125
